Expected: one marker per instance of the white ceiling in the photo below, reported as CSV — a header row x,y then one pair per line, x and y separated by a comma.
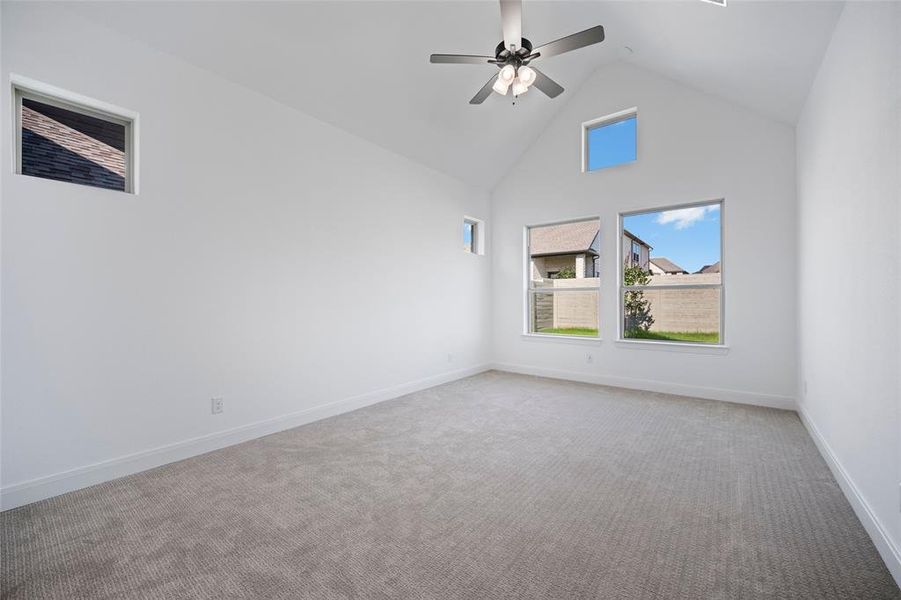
x,y
363,66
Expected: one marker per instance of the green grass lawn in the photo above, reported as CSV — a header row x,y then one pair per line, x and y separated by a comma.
x,y
670,336
585,331
675,336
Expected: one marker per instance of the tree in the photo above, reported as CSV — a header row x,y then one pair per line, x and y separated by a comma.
x,y
566,273
637,307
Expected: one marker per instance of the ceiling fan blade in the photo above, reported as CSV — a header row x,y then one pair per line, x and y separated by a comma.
x,y
572,42
484,92
461,59
511,21
547,85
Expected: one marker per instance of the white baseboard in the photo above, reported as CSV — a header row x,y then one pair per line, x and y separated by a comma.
x,y
26,492
649,385
888,549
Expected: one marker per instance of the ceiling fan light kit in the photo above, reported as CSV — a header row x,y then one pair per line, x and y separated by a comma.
x,y
519,88
513,55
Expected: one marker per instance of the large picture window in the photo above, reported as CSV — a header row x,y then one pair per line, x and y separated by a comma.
x,y
671,280
563,281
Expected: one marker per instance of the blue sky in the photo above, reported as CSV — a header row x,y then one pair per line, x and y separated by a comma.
x,y
612,144
690,237
467,235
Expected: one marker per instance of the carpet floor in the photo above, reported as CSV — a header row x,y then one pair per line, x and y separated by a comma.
x,y
497,486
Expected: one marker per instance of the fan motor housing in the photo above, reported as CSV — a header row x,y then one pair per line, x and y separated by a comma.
x,y
504,56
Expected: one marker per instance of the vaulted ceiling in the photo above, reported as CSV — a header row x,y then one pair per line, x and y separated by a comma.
x,y
363,66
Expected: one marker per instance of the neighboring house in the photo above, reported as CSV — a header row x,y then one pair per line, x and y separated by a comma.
x,y
635,251
660,265
576,246
568,245
714,268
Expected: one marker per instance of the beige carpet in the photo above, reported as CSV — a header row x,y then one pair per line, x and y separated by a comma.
x,y
494,487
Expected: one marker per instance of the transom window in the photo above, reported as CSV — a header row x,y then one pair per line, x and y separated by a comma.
x,y
562,296
610,141
67,141
683,300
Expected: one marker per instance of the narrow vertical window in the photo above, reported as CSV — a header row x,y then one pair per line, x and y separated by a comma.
x,y
473,236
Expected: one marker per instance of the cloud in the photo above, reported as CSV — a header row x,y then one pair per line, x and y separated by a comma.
x,y
685,217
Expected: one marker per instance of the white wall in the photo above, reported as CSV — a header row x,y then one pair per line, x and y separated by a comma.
x,y
269,259
848,190
691,147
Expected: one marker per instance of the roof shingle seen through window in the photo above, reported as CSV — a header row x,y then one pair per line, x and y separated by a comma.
x,y
563,238
68,146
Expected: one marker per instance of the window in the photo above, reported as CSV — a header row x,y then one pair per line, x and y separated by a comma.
x,y
473,236
66,141
610,141
687,304
562,293
636,253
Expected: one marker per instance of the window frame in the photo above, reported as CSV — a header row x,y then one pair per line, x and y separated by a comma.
x,y
622,288
27,89
610,119
529,292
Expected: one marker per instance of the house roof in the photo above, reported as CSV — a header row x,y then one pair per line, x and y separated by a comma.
x,y
714,268
628,233
565,238
568,238
68,146
666,265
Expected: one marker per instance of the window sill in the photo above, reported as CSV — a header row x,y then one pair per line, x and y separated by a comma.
x,y
688,347
566,339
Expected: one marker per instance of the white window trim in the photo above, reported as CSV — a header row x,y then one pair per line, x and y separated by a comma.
x,y
621,340
563,339
478,235
600,122
24,87
527,290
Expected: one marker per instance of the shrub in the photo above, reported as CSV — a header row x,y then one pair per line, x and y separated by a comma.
x,y
567,273
637,307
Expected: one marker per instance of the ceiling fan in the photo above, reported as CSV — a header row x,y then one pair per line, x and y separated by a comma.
x,y
515,53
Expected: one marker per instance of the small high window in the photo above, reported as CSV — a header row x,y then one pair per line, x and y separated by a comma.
x,y
473,236
610,141
66,141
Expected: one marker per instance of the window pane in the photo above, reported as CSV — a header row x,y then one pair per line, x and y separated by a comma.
x,y
686,315
680,246
68,146
564,313
612,144
564,255
467,236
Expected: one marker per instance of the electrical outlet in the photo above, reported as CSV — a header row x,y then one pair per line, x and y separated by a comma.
x,y
450,357
589,358
805,387
217,405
